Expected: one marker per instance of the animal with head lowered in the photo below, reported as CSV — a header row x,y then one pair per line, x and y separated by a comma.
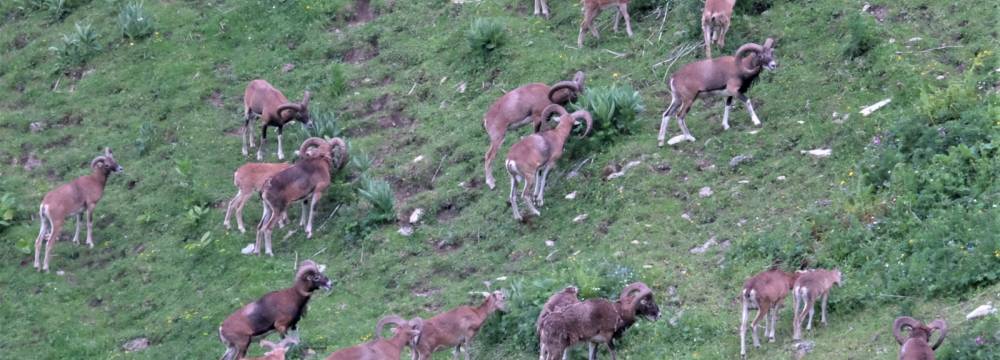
x,y
592,8
79,196
272,107
522,106
276,351
381,348
917,346
766,292
596,321
729,76
306,180
810,286
556,302
456,328
276,311
715,23
249,179
530,160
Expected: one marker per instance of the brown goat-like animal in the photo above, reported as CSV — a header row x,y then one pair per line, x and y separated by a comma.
x,y
456,328
249,179
597,321
521,106
730,76
276,311
309,176
917,345
276,351
809,287
382,348
263,100
715,23
556,302
767,292
531,159
78,196
592,8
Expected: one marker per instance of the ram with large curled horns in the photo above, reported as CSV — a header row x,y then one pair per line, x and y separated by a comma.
x,y
917,346
262,100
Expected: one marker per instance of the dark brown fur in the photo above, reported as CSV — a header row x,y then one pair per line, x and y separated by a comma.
x,y
917,346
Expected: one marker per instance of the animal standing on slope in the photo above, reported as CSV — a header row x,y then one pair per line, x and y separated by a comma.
x,y
272,107
917,346
556,302
381,348
249,179
306,180
767,292
456,328
521,106
592,8
715,23
596,321
729,76
530,160
810,286
276,311
79,196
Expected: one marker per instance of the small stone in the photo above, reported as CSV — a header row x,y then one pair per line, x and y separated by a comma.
x,y
550,243
914,39
704,247
744,182
580,218
461,88
571,196
36,127
686,216
739,159
287,67
406,230
60,273
824,202
705,192
417,159
818,153
940,77
247,250
415,215
782,178
137,344
981,311
32,162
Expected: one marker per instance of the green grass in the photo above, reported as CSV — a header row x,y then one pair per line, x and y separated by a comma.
x,y
164,268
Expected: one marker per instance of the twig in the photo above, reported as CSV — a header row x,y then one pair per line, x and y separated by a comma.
x,y
314,255
328,218
438,169
617,55
411,89
929,50
295,264
288,235
580,165
666,11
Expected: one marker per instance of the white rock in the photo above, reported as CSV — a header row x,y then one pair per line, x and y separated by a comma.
x,y
868,110
981,311
60,273
744,181
704,247
781,178
753,132
550,243
406,230
417,159
618,174
571,196
415,216
914,39
137,344
686,216
940,77
580,218
820,153
247,250
705,192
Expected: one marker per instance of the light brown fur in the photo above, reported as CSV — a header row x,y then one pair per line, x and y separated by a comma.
x,y
768,291
556,302
917,345
263,100
592,8
456,328
249,179
810,286
382,348
715,23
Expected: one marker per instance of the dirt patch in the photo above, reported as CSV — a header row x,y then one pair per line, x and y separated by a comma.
x,y
234,132
425,291
406,188
394,120
215,99
379,103
447,246
360,54
447,212
363,13
30,161
131,184
69,119
60,143
20,41
878,11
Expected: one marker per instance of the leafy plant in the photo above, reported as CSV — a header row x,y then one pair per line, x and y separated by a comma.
x,y
56,9
324,125
77,46
338,79
486,36
980,341
202,242
134,21
861,36
614,110
8,211
194,216
379,194
146,135
361,161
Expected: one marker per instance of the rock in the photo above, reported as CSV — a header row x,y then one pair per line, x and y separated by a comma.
x,y
415,216
824,202
461,88
550,243
705,165
32,162
739,159
287,67
60,273
247,250
725,244
36,127
868,110
914,39
406,230
686,216
571,196
617,174
704,247
580,218
781,178
137,344
818,153
802,348
417,159
705,192
981,311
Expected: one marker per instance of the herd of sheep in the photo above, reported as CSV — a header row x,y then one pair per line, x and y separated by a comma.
x,y
564,320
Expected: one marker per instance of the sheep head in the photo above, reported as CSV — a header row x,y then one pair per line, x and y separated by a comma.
x,y
339,147
918,330
763,56
106,162
496,300
278,350
586,117
574,86
311,277
299,111
637,298
322,148
409,329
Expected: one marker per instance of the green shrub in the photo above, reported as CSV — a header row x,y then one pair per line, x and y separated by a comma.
x,y
614,110
379,194
324,124
8,211
146,135
134,21
338,79
861,36
979,340
752,7
486,36
77,47
56,9
361,161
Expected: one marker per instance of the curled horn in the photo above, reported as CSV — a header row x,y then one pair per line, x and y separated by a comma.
x,y
941,326
305,99
635,287
340,147
578,79
310,142
107,152
897,327
288,106
551,109
573,85
751,47
306,267
769,43
586,117
99,159
389,319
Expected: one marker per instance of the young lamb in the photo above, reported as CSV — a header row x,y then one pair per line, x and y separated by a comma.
x,y
765,291
249,179
715,23
456,328
556,302
917,345
276,351
382,348
276,311
730,76
78,196
810,286
597,321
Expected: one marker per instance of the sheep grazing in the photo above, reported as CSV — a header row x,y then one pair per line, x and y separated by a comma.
x,y
810,286
596,321
556,302
263,100
249,179
530,160
521,106
381,348
766,292
728,76
917,345
78,196
592,8
715,22
456,328
309,176
276,311
276,351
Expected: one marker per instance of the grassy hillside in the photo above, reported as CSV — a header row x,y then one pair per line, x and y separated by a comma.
x,y
906,205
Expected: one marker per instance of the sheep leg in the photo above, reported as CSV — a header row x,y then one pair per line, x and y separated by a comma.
x,y
512,198
230,207
90,225
545,8
611,349
76,234
706,29
53,237
822,314
761,312
774,323
665,120
265,219
811,303
753,114
263,140
623,8
529,181
796,315
244,130
743,328
302,221
42,232
281,152
458,349
588,19
267,233
465,348
541,188
312,211
721,33
239,211
496,140
725,114
591,351
618,16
